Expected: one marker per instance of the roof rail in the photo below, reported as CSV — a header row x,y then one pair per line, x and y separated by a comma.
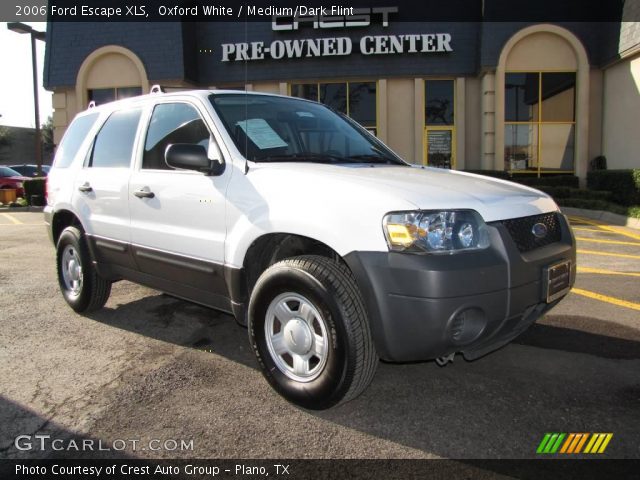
x,y
156,89
92,104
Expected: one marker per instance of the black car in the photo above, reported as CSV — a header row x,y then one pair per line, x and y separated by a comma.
x,y
31,170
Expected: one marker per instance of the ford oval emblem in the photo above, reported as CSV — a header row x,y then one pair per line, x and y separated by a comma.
x,y
539,230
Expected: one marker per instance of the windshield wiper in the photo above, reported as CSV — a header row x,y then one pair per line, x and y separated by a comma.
x,y
371,158
306,157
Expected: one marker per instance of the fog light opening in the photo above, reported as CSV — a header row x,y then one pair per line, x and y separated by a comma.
x,y
466,325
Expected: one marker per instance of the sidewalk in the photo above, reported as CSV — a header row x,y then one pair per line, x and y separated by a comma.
x,y
608,217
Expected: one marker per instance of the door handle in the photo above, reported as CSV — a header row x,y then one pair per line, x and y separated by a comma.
x,y
85,188
144,193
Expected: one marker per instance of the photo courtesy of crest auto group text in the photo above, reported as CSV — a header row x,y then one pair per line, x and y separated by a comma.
x,y
319,240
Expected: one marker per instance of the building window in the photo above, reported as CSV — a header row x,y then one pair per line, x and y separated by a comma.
x,y
105,95
439,136
241,88
539,130
355,99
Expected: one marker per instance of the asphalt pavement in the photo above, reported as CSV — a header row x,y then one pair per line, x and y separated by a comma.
x,y
149,366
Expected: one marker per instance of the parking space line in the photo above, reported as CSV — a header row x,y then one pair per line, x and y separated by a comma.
x,y
607,227
594,230
607,299
612,242
12,219
583,220
607,254
600,271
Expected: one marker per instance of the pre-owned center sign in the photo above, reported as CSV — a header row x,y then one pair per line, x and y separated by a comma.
x,y
337,46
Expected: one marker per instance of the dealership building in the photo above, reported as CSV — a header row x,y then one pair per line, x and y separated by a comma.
x,y
523,97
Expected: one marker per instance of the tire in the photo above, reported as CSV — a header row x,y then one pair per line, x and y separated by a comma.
x,y
82,287
309,331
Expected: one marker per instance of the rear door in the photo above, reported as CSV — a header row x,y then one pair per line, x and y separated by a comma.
x,y
178,216
101,188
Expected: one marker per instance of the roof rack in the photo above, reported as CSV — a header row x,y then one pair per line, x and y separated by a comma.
x,y
92,104
156,89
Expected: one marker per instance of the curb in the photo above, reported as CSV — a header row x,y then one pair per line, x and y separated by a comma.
x,y
613,218
22,209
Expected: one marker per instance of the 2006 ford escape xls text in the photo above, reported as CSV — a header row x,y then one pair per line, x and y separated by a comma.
x,y
329,247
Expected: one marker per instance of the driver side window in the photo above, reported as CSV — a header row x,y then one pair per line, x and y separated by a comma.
x,y
172,123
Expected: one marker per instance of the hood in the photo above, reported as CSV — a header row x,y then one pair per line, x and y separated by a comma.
x,y
423,187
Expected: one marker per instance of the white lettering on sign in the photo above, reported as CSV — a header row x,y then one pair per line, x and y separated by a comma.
x,y
279,49
337,46
331,17
394,44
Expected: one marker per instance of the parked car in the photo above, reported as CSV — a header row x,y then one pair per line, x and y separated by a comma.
x,y
9,178
31,170
331,249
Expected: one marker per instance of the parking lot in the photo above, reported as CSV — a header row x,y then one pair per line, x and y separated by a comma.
x,y
149,366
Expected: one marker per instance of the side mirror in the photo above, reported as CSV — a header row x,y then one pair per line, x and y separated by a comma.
x,y
188,156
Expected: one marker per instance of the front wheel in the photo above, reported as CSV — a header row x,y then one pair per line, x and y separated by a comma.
x,y
309,331
82,287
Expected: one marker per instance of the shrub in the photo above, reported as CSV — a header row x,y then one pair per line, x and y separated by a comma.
x,y
634,211
567,192
570,181
532,179
624,185
34,186
593,205
492,173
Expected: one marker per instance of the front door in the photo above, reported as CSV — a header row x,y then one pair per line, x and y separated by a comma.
x,y
178,216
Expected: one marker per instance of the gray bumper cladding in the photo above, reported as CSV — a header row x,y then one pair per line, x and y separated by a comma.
x,y
426,306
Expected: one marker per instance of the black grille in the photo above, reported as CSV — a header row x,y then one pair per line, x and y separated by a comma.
x,y
521,231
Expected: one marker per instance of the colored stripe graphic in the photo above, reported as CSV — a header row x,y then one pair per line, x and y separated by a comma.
x,y
543,443
567,443
581,443
573,443
604,445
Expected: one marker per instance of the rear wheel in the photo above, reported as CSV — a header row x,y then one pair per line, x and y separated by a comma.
x,y
309,331
82,287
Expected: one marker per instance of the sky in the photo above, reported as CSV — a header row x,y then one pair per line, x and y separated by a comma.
x,y
16,84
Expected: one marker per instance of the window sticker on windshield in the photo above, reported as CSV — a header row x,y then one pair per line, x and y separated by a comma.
x,y
305,114
261,133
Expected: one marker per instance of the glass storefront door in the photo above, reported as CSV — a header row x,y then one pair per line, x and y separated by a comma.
x,y
440,147
439,133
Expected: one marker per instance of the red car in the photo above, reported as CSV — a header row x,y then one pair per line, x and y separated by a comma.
x,y
9,178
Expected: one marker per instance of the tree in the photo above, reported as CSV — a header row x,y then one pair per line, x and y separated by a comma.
x,y
47,136
5,136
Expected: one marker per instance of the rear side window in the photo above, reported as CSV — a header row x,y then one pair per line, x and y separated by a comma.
x,y
172,123
113,145
73,138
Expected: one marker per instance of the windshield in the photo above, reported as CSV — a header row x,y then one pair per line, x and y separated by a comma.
x,y
279,129
8,172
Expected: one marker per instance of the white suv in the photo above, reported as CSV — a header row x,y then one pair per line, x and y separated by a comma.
x,y
293,218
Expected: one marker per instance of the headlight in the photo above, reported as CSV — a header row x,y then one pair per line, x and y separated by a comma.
x,y
435,231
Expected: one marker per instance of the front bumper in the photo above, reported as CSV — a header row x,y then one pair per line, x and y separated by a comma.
x,y
426,306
